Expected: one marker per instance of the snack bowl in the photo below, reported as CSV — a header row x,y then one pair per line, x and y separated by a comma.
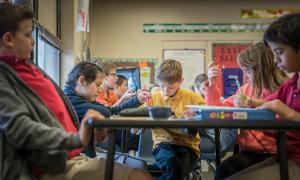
x,y
159,112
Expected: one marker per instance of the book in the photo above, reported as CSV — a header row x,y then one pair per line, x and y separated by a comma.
x,y
230,113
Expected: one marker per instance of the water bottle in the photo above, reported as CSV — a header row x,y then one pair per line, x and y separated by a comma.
x,y
132,84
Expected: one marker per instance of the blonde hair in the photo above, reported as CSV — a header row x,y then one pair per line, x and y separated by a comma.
x,y
106,66
260,59
169,71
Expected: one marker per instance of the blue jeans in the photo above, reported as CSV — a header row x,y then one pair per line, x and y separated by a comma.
x,y
208,146
175,161
227,139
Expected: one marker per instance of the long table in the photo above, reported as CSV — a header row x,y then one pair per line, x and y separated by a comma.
x,y
280,126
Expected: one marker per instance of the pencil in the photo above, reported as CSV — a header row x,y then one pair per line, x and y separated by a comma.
x,y
239,86
147,99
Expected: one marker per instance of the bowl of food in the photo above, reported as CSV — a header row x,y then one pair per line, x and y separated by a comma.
x,y
159,112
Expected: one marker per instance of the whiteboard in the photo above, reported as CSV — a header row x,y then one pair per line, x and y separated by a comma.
x,y
192,62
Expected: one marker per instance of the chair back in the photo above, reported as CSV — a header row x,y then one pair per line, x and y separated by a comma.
x,y
145,146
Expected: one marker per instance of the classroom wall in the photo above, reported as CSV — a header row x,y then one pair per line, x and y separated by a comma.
x,y
47,14
117,27
70,37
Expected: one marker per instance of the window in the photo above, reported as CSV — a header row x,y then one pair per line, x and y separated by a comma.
x,y
48,58
47,52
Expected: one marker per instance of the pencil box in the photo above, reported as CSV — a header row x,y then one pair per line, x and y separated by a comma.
x,y
231,113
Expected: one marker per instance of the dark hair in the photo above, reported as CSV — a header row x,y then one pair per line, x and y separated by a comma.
x,y
87,69
120,80
11,15
169,71
285,30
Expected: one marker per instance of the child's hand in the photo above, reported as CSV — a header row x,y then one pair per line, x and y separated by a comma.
x,y
100,135
144,97
241,100
281,109
85,130
274,105
128,94
213,73
189,113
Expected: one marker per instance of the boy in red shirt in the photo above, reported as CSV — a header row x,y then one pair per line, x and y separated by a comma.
x,y
283,37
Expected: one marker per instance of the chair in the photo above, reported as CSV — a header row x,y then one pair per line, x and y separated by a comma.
x,y
145,146
124,158
208,148
145,152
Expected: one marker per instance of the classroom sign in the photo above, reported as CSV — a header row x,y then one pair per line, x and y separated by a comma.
x,y
224,55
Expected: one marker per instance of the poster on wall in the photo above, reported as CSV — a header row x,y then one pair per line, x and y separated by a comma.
x,y
82,24
147,67
145,77
224,55
192,62
267,13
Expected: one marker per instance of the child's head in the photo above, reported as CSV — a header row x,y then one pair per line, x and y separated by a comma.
x,y
15,30
121,86
169,76
199,84
283,37
257,62
86,78
110,78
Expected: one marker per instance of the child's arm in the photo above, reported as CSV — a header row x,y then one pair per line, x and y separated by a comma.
x,y
213,73
144,97
282,110
212,92
127,95
255,102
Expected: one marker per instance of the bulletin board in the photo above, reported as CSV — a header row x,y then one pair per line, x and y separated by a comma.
x,y
192,62
147,67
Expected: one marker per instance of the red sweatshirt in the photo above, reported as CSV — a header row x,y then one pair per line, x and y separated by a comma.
x,y
45,89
